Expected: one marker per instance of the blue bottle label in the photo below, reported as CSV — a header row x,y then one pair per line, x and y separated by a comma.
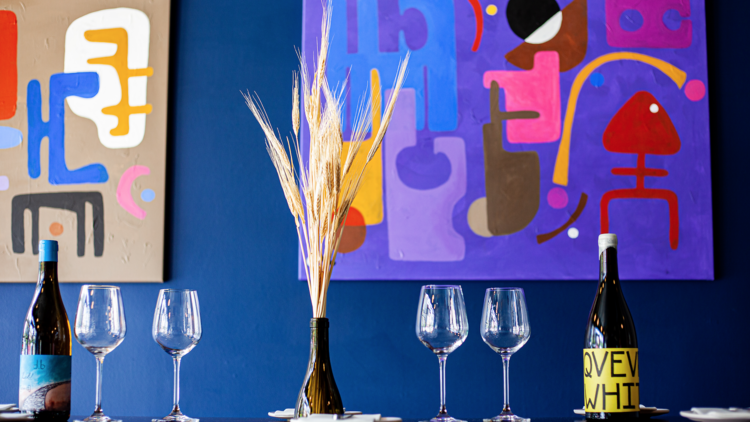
x,y
45,383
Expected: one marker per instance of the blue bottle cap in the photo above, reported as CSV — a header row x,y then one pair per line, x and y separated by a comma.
x,y
48,251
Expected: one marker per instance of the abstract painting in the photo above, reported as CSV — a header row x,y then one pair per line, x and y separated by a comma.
x,y
83,110
526,128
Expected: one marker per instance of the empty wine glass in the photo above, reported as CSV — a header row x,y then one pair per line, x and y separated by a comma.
x,y
505,328
442,326
100,327
177,329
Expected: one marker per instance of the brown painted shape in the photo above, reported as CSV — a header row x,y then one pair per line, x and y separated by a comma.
x,y
511,178
570,42
579,209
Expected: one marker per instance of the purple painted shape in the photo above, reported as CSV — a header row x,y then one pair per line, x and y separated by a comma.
x,y
391,22
352,31
420,222
420,168
653,33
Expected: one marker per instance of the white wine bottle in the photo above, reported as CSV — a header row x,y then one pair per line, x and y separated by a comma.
x,y
610,350
47,345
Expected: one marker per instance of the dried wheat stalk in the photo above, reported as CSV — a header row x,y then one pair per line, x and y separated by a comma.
x,y
320,194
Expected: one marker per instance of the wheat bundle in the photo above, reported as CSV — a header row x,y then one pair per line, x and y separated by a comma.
x,y
320,192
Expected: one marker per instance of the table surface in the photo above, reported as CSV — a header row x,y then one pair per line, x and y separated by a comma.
x,y
669,418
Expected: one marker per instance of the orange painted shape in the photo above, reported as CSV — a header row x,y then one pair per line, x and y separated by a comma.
x,y
119,61
56,229
369,200
8,64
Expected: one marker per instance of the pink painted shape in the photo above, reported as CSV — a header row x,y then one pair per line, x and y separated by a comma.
x,y
537,90
653,33
695,90
557,198
124,198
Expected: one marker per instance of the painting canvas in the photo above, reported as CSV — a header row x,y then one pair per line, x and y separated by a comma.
x,y
83,110
526,128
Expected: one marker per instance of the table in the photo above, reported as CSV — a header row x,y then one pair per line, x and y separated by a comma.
x,y
667,418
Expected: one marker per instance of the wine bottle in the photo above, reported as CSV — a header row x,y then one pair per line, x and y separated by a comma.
x,y
610,350
47,344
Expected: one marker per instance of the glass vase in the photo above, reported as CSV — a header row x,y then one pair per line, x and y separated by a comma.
x,y
319,393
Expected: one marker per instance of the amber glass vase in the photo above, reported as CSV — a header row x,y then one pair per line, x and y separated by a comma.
x,y
319,393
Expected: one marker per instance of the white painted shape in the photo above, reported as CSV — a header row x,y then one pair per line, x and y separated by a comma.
x,y
77,52
477,217
653,108
547,31
573,233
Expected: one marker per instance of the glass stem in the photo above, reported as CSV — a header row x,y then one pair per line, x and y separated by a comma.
x,y
176,396
506,385
442,359
99,368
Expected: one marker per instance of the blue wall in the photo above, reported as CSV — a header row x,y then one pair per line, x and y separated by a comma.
x,y
231,237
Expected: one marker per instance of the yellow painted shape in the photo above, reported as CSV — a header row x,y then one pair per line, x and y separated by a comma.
x,y
119,61
369,200
491,10
560,176
611,380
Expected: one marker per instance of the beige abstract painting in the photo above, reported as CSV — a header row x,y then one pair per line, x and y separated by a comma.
x,y
83,122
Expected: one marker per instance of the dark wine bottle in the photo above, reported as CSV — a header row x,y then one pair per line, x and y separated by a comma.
x,y
47,345
610,350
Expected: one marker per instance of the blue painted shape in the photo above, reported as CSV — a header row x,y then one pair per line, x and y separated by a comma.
x,y
10,137
631,20
420,168
148,195
672,19
435,59
596,79
61,85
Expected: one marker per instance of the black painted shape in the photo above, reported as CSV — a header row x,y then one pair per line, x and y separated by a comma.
x,y
71,201
526,16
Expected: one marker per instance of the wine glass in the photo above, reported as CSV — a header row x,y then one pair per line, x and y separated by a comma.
x,y
177,329
100,327
442,326
505,328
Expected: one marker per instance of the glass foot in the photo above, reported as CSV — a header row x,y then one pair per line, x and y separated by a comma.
x,y
176,418
507,417
445,418
99,418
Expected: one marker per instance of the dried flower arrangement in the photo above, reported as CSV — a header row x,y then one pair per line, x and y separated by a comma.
x,y
320,194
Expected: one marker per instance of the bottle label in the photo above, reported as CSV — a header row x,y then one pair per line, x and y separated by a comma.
x,y
610,380
45,383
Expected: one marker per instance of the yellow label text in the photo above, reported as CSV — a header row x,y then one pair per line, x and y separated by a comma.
x,y
610,380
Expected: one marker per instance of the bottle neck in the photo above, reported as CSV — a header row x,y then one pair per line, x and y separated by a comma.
x,y
319,337
608,271
48,275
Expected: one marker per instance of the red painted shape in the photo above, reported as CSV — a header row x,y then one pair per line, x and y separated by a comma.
x,y
636,129
640,193
354,218
8,65
354,233
479,17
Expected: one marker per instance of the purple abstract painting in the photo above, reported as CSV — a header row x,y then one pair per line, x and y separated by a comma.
x,y
524,130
